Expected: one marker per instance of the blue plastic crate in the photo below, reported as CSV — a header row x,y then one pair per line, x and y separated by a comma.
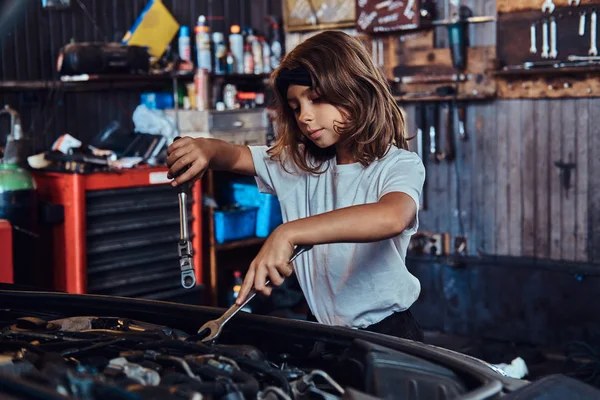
x,y
269,211
235,224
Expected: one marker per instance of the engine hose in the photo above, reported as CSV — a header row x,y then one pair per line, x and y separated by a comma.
x,y
216,388
186,347
266,369
243,381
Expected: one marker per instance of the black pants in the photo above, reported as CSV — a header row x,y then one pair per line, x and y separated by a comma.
x,y
399,324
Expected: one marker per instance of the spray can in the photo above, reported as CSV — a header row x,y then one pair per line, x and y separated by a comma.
x,y
230,96
236,45
185,52
220,54
203,44
202,86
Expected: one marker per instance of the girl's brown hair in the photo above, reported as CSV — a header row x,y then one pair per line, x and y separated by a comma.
x,y
343,73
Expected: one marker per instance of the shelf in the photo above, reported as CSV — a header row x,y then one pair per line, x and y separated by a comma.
x,y
560,70
111,82
407,99
239,243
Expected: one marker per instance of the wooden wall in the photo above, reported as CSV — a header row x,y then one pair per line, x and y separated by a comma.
x,y
505,182
505,185
30,38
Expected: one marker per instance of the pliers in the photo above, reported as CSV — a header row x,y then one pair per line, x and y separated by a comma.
x,y
184,248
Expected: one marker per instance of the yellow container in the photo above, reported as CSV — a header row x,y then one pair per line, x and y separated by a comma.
x,y
154,29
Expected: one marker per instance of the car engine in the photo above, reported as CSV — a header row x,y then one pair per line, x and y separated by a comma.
x,y
114,358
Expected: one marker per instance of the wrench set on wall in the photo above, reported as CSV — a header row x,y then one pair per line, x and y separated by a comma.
x,y
550,29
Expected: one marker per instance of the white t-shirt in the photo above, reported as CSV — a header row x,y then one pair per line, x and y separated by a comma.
x,y
348,284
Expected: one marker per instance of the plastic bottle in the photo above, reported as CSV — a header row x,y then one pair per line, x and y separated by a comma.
x,y
276,49
185,52
266,54
230,62
220,54
248,60
257,55
236,45
235,290
203,44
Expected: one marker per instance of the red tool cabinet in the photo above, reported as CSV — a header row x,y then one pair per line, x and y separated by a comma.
x,y
119,234
6,252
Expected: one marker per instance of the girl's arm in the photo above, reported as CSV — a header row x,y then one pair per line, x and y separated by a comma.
x,y
387,218
200,154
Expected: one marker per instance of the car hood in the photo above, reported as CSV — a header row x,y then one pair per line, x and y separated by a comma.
x,y
91,346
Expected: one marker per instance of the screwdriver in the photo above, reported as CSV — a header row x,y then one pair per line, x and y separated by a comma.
x,y
184,248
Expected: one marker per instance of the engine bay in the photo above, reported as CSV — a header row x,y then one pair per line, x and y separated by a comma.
x,y
102,357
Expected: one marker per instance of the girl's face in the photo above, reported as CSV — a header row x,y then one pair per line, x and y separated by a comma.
x,y
314,115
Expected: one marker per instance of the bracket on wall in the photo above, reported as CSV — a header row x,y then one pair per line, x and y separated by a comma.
x,y
565,174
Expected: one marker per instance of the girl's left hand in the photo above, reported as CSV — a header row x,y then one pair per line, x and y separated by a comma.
x,y
272,262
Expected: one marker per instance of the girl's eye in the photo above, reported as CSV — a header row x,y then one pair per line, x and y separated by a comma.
x,y
296,110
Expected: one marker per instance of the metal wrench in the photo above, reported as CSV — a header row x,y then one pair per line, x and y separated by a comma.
x,y
574,2
593,48
545,45
184,246
553,39
533,48
215,326
548,6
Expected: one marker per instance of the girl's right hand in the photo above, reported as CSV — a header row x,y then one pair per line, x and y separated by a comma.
x,y
187,152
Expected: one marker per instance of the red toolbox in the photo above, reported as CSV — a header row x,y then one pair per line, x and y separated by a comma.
x,y
6,252
119,234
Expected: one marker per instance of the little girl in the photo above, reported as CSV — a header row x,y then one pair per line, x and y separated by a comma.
x,y
345,181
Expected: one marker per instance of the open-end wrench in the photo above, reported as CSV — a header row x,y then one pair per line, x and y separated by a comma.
x,y
593,48
548,6
214,327
574,2
533,48
545,45
582,23
553,39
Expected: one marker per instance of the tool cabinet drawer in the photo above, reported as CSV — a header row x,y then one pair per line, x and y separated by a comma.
x,y
238,119
245,138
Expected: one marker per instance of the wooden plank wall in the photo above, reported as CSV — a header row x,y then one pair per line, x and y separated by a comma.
x,y
30,38
511,198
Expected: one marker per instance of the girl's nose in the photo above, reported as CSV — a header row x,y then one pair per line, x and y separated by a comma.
x,y
306,115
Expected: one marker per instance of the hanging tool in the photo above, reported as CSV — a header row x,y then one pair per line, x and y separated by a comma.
x,y
431,122
184,246
457,34
214,327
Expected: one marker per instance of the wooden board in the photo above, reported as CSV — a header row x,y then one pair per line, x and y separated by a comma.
x,y
420,63
541,120
515,187
502,181
302,15
555,144
581,179
554,87
507,6
528,165
375,16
